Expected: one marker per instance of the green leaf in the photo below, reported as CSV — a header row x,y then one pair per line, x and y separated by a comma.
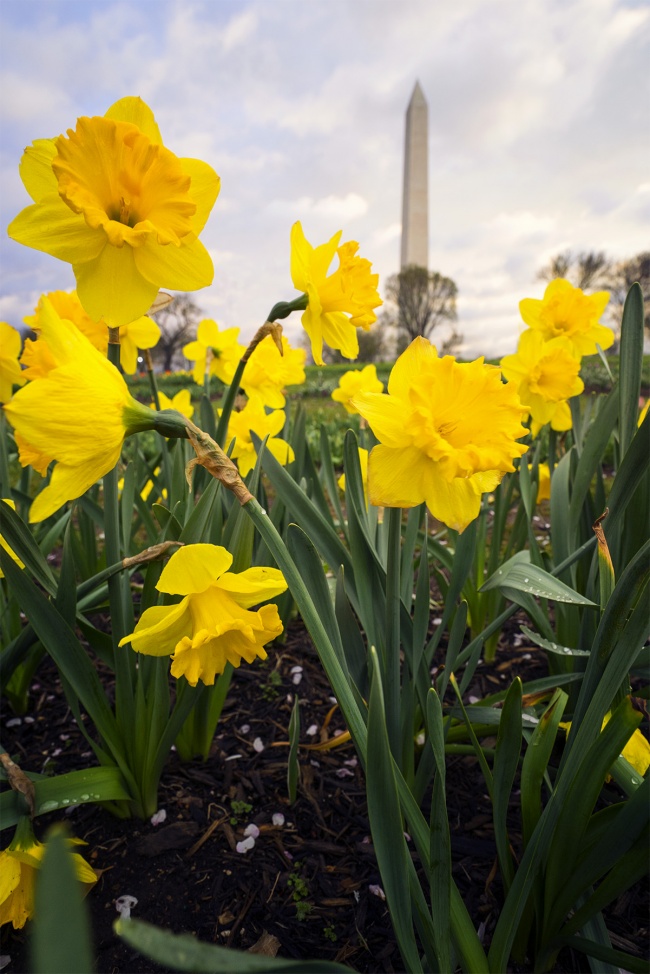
x,y
577,808
535,763
61,939
506,760
591,457
183,952
20,539
65,790
534,581
552,647
618,958
64,647
630,364
440,846
311,569
386,823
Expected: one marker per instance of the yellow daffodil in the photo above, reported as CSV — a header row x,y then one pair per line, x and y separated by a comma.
x,y
338,304
182,402
363,463
76,410
141,333
355,381
447,433
18,866
254,417
214,352
213,624
643,413
567,312
636,752
11,373
545,374
111,200
3,543
268,373
544,485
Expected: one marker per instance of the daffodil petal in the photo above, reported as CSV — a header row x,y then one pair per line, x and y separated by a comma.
x,y
193,569
385,416
136,112
398,477
456,503
185,268
339,333
204,190
409,363
67,482
36,169
55,229
253,585
112,287
159,629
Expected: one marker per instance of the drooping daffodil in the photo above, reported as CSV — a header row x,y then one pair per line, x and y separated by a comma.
x,y
76,409
214,623
18,866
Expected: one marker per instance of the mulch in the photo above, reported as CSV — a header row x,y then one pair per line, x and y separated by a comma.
x,y
310,887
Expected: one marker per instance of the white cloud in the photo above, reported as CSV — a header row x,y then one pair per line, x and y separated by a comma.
x,y
538,134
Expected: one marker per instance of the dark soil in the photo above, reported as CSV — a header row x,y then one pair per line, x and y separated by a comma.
x,y
312,883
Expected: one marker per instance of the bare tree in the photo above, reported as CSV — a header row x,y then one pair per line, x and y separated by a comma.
x,y
424,300
624,275
588,270
177,323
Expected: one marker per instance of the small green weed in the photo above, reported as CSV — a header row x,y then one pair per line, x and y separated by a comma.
x,y
239,809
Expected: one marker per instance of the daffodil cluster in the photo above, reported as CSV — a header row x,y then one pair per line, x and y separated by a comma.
x,y
141,333
562,327
214,352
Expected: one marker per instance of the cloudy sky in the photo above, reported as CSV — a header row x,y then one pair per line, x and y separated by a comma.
x,y
538,132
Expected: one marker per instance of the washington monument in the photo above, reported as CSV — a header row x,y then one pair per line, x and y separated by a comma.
x,y
415,200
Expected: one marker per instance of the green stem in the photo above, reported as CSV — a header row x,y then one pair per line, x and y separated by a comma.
x,y
391,661
116,590
153,385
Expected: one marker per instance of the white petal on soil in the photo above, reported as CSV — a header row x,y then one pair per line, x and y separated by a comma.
x,y
124,905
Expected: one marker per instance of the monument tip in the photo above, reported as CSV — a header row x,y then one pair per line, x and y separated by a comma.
x,y
418,95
